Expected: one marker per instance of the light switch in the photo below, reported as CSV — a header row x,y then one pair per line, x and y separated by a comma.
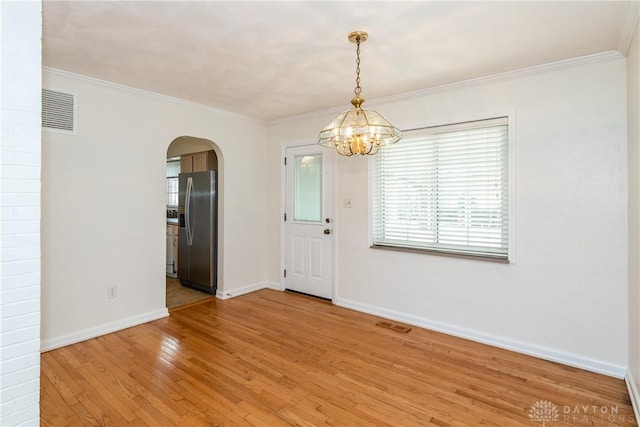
x,y
347,203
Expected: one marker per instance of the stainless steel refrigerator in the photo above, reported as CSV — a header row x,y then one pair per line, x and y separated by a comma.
x,y
198,231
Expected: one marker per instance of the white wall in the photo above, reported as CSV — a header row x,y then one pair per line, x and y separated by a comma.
x,y
21,28
103,205
633,123
565,296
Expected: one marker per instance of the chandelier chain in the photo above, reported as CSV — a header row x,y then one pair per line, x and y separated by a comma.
x,y
358,89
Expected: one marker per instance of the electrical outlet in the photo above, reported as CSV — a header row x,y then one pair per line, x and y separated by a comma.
x,y
347,203
112,292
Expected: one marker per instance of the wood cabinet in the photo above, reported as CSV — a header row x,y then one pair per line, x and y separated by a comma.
x,y
198,162
186,163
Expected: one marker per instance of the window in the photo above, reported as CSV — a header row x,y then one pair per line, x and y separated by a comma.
x,y
307,188
173,170
445,189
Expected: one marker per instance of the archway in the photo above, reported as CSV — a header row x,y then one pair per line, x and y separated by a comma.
x,y
180,149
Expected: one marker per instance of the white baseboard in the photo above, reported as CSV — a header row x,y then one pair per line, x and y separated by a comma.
x,y
493,340
105,328
633,394
275,286
236,292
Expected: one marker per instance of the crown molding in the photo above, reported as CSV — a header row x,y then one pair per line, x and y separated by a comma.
x,y
537,69
93,80
566,63
626,31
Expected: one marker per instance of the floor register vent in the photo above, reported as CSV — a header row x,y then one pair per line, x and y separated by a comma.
x,y
397,328
58,111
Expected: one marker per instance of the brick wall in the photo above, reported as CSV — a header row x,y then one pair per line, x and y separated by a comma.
x,y
21,27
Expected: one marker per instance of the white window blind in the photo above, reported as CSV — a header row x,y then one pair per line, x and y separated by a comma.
x,y
445,189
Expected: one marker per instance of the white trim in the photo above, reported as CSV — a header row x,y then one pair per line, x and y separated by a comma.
x,y
632,17
536,69
236,292
540,352
105,328
513,191
273,285
69,74
283,208
334,224
634,396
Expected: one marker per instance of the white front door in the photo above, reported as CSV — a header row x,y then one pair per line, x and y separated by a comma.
x,y
309,221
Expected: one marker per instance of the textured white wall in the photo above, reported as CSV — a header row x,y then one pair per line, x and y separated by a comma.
x,y
103,205
21,28
565,297
633,122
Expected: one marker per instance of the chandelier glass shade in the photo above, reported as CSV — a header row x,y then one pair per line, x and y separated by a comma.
x,y
358,131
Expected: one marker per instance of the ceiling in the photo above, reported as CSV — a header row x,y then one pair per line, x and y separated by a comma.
x,y
275,59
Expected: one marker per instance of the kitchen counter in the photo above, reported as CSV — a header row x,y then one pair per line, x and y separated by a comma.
x,y
172,221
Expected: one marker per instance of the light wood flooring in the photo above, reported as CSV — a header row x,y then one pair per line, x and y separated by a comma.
x,y
178,295
278,359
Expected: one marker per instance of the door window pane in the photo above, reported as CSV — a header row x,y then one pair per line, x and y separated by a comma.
x,y
307,188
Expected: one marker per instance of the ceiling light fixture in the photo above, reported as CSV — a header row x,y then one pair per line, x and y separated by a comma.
x,y
358,131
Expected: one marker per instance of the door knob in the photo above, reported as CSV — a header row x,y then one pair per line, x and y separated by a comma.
x,y
327,231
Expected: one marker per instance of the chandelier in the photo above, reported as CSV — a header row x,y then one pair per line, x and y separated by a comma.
x,y
358,131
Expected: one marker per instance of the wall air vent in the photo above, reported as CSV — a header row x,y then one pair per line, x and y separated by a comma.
x,y
58,111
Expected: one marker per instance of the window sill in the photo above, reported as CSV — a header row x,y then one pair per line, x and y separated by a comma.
x,y
497,259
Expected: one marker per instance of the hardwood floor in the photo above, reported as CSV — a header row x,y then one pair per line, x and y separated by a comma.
x,y
278,359
178,296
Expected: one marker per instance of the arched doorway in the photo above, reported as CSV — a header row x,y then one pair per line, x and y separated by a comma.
x,y
187,154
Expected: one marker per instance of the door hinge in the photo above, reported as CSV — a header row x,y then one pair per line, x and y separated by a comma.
x,y
285,161
285,217
285,273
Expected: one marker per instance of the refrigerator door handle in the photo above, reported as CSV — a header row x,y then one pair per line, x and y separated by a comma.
x,y
188,198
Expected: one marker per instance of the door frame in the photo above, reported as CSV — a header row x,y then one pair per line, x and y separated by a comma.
x,y
331,158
